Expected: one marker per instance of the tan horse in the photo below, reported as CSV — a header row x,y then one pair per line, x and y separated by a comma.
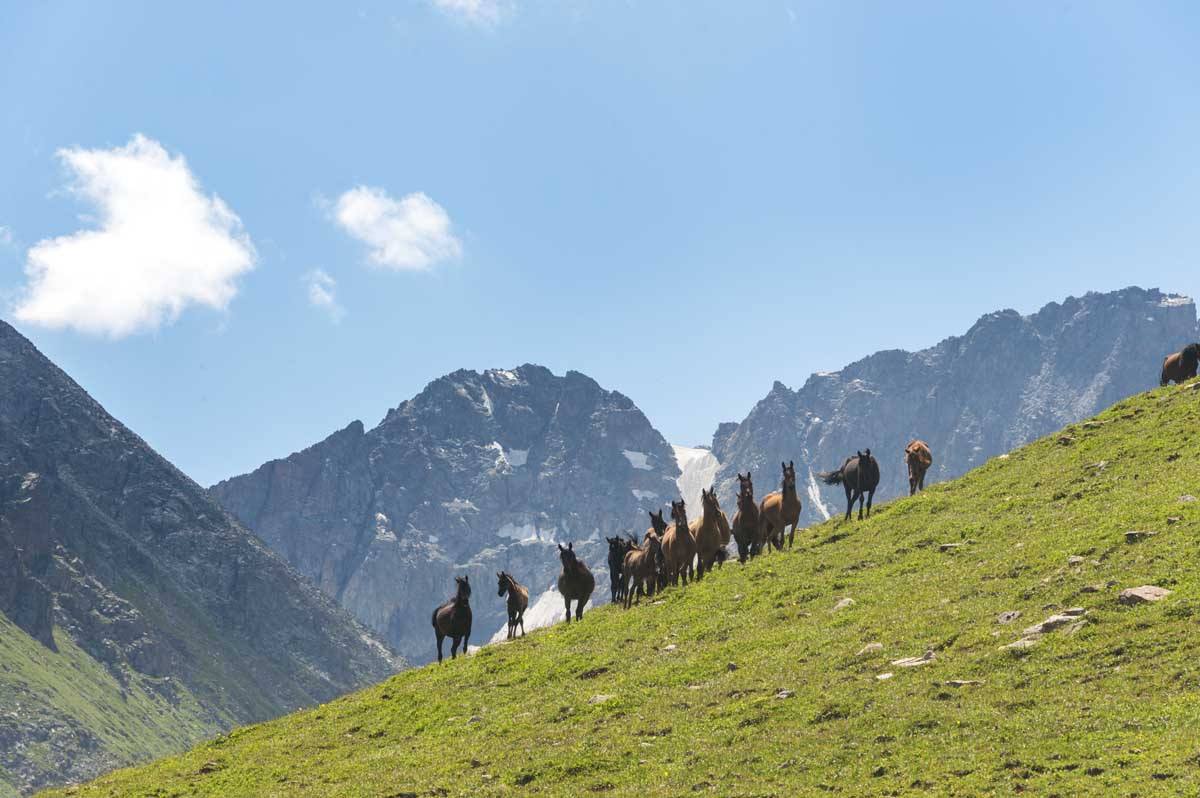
x,y
745,520
919,459
518,601
678,545
780,510
576,582
706,531
639,572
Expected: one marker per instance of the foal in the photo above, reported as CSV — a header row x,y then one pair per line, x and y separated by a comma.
x,y
640,570
453,619
518,600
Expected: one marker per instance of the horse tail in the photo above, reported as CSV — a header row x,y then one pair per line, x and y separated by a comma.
x,y
832,477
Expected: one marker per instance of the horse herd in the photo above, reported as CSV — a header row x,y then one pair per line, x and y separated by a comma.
x,y
673,552
676,551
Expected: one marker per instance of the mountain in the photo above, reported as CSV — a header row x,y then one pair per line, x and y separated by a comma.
x,y
978,639
136,616
1008,380
479,472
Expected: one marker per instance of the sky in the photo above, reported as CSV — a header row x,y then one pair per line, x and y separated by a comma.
x,y
242,226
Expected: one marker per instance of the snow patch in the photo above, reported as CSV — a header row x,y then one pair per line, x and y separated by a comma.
x,y
814,495
527,533
644,494
639,460
518,457
460,506
383,529
1174,301
504,375
698,469
487,402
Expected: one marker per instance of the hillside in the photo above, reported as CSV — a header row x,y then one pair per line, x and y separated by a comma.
x,y
136,617
477,473
752,682
1006,381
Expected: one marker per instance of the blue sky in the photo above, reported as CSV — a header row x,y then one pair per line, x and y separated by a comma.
x,y
686,200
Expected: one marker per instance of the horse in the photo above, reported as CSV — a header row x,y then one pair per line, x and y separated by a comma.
x,y
658,528
706,531
453,619
518,600
919,459
617,547
576,582
859,475
780,509
1180,366
745,520
639,571
679,547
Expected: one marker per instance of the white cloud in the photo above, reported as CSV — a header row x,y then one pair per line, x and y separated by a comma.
x,y
322,294
411,233
486,13
159,245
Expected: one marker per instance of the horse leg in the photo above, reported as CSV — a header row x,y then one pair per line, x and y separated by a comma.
x,y
870,500
522,620
849,500
862,497
579,609
440,638
453,647
467,641
567,601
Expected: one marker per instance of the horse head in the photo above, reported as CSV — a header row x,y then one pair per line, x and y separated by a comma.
x,y
567,555
464,588
679,514
708,500
745,486
502,583
789,475
656,521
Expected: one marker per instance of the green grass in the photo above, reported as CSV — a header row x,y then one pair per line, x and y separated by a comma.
x,y
1111,709
71,696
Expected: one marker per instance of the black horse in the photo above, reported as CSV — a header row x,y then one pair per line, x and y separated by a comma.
x,y
453,619
859,475
618,547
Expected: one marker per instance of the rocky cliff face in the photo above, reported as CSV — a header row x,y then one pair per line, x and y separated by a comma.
x,y
1008,380
478,473
125,588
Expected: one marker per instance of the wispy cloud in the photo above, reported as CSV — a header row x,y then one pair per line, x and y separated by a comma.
x,y
6,237
322,294
412,233
485,13
159,245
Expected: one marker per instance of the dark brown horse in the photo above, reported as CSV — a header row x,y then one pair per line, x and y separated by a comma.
x,y
639,573
1180,366
919,459
859,475
453,619
576,582
678,545
745,520
780,510
518,601
658,528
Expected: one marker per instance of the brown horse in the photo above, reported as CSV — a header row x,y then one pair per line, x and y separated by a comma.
x,y
780,509
706,531
919,459
859,475
518,601
745,520
576,582
678,545
639,573
658,528
1181,366
453,619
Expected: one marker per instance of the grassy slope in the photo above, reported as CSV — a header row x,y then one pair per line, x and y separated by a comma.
x,y
67,693
1111,709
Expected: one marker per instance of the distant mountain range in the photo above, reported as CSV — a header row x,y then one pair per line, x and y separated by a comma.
x,y
479,472
1007,381
136,616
